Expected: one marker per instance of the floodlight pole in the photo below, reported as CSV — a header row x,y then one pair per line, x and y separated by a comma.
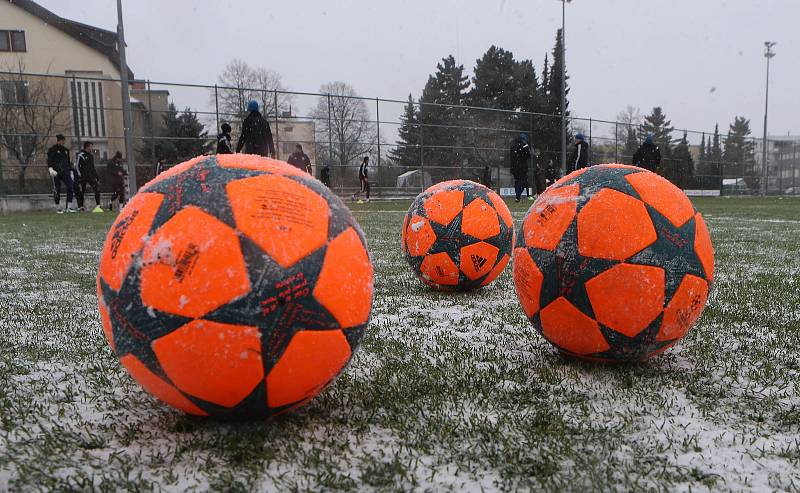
x,y
564,85
765,169
126,102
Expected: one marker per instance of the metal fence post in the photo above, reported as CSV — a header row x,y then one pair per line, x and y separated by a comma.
x,y
277,129
378,125
616,142
591,142
216,105
151,129
421,153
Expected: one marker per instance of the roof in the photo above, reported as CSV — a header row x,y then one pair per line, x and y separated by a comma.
x,y
98,39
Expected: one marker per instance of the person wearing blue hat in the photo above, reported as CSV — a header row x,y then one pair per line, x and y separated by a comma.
x,y
256,136
580,156
519,163
648,155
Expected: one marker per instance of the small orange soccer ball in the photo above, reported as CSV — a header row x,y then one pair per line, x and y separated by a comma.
x,y
235,287
458,236
614,263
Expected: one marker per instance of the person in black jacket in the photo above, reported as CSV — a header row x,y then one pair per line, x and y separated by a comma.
x,y
363,178
116,175
224,140
648,155
256,137
87,176
299,159
61,170
580,156
325,176
550,173
520,161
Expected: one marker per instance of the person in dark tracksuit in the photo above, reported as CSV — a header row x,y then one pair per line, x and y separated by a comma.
x,y
520,161
550,173
61,170
325,176
88,176
580,156
224,140
160,167
116,176
648,155
256,137
299,159
363,178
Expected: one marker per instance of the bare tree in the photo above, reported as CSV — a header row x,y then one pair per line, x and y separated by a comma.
x,y
344,131
31,112
241,83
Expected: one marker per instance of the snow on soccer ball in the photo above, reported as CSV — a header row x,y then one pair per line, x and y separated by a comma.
x,y
458,235
613,264
235,287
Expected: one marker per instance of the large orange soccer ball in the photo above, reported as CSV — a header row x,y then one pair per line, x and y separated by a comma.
x,y
235,287
458,235
614,263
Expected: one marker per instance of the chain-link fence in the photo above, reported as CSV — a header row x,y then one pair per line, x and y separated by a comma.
x,y
410,144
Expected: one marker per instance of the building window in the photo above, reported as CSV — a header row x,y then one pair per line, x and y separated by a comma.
x,y
14,91
88,111
13,41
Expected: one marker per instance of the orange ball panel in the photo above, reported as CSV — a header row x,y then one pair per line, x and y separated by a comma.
x,y
614,225
571,330
703,246
478,259
311,361
216,362
665,197
627,297
345,284
159,388
444,206
439,269
502,209
127,236
480,220
684,308
550,217
286,219
258,163
420,237
193,265
497,270
528,281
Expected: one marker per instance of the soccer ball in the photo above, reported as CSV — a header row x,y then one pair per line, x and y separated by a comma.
x,y
458,236
235,287
613,263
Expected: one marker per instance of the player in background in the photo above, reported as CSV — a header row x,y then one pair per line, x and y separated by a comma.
x,y
116,176
648,155
363,179
486,177
580,156
325,176
256,137
224,140
550,173
87,176
299,159
520,162
160,166
61,170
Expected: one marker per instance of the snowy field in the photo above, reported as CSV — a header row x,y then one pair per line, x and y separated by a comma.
x,y
448,392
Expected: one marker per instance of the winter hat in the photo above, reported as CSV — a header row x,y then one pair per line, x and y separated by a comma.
x,y
523,136
225,127
579,136
252,106
648,139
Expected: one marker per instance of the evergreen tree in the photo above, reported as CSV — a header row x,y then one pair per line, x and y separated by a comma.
x,y
657,125
407,151
714,166
631,144
181,137
739,152
680,169
701,160
495,83
549,132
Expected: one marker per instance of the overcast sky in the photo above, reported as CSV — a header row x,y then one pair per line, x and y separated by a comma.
x,y
702,61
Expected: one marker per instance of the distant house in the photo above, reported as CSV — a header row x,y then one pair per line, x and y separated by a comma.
x,y
34,40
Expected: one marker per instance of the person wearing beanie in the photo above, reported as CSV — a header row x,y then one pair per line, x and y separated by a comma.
x,y
224,140
256,136
300,160
648,155
580,156
519,163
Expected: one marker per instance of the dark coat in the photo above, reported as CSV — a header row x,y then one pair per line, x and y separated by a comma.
x,y
520,157
325,176
86,167
224,144
647,156
580,156
256,137
300,160
58,159
116,173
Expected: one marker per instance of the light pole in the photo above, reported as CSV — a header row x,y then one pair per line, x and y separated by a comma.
x,y
126,102
564,85
765,169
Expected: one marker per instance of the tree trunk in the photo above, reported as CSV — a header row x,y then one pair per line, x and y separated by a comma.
x,y
21,178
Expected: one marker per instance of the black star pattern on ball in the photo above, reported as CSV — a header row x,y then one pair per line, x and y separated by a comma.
x,y
135,326
672,251
203,186
566,271
280,301
598,177
624,348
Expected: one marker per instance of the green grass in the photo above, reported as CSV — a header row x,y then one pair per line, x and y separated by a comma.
x,y
448,392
